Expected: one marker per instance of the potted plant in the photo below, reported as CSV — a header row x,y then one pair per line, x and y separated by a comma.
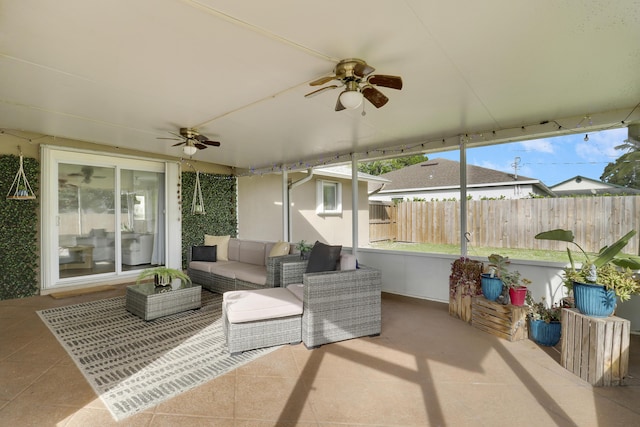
x,y
163,276
304,249
544,322
518,287
464,284
491,280
600,279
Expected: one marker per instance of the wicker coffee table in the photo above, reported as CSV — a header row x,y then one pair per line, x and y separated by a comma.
x,y
150,302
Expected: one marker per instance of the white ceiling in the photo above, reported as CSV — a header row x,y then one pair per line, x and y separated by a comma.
x,y
123,72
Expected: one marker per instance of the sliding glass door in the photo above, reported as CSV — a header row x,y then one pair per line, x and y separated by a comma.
x,y
105,217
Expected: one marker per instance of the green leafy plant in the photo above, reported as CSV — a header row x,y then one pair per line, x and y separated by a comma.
x,y
540,311
304,247
165,275
608,268
499,265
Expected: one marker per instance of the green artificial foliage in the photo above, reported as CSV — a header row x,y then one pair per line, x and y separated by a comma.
x,y
18,234
220,206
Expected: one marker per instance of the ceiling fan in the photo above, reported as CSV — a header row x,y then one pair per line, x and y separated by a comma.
x,y
355,75
192,141
87,173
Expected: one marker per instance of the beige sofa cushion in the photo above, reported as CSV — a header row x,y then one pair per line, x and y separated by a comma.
x,y
252,252
222,243
251,273
253,305
279,249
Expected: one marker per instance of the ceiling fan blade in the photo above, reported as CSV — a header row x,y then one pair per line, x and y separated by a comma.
x,y
339,106
362,70
374,96
199,145
212,143
393,82
322,80
316,92
179,143
172,139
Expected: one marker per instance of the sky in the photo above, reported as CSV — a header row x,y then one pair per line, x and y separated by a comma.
x,y
550,160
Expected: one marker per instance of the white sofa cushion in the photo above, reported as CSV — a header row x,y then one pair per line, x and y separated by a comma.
x,y
260,304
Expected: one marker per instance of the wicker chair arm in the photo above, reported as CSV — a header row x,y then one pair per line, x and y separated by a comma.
x,y
274,264
292,272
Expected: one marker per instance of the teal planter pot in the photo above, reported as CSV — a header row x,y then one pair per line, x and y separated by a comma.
x,y
543,333
491,287
594,300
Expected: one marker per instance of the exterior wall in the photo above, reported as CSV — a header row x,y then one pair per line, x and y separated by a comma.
x,y
509,192
260,211
582,184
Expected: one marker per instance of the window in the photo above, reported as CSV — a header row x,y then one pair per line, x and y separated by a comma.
x,y
329,198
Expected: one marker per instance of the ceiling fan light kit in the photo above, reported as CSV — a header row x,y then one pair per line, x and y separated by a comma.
x,y
189,150
192,141
351,99
355,75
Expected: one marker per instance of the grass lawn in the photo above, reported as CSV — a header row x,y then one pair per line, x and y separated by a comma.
x,y
529,254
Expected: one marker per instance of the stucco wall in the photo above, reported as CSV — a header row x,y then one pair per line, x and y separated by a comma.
x,y
260,211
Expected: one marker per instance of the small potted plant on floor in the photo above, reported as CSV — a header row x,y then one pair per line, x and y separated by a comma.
x,y
163,276
599,280
544,322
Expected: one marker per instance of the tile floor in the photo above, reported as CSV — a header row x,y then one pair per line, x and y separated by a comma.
x,y
425,369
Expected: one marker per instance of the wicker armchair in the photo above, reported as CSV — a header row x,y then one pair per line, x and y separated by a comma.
x,y
337,305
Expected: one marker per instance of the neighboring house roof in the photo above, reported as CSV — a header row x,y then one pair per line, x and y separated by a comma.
x,y
344,172
581,185
440,173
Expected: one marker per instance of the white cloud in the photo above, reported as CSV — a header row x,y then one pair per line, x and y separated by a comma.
x,y
601,146
538,145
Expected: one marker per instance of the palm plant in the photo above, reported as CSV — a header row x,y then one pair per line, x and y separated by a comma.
x,y
164,274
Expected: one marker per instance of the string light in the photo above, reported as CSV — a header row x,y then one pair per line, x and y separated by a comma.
x,y
586,138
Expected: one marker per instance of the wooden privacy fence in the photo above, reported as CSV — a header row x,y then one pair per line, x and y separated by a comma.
x,y
595,221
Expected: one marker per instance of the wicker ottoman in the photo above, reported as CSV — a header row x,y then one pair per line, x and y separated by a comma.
x,y
261,318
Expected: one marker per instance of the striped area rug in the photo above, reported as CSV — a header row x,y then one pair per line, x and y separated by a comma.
x,y
133,364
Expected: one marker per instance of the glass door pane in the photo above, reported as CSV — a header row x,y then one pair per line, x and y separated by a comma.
x,y
141,225
86,211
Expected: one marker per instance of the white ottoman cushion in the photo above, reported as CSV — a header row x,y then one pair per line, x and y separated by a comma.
x,y
260,304
297,289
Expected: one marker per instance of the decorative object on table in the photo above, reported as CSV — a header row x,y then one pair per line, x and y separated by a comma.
x,y
492,286
197,204
162,276
599,280
304,248
133,364
544,322
464,284
20,188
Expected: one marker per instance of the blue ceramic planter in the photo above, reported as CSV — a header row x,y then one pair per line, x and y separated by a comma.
x,y
594,300
544,333
491,287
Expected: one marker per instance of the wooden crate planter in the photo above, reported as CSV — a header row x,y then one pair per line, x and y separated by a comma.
x,y
595,349
504,321
464,284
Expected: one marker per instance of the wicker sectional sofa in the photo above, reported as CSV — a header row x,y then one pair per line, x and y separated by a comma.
x,y
337,305
249,266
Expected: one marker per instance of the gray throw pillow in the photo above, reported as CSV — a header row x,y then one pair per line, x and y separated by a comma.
x,y
204,253
323,258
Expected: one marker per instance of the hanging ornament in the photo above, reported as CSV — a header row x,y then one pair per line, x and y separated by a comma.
x,y
20,189
197,205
